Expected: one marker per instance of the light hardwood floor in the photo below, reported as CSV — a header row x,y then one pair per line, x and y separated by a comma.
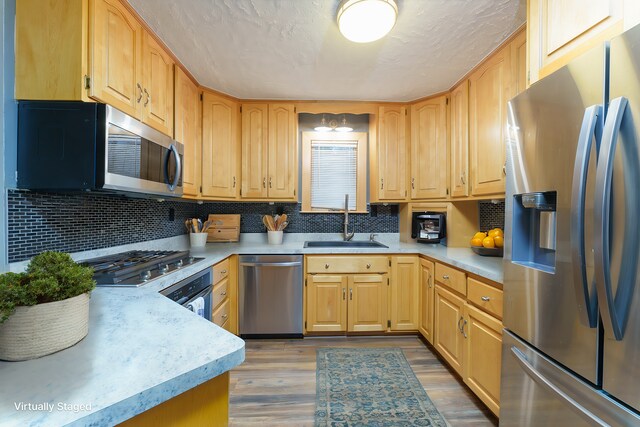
x,y
276,385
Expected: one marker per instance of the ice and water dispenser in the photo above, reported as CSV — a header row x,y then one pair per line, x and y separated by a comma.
x,y
534,230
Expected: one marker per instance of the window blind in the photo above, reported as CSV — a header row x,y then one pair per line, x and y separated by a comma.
x,y
333,174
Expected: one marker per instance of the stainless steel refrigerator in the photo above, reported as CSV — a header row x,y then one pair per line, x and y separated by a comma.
x,y
571,347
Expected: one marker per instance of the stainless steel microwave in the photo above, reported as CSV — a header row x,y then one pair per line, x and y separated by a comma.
x,y
83,146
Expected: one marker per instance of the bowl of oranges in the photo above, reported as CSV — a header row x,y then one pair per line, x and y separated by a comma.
x,y
490,243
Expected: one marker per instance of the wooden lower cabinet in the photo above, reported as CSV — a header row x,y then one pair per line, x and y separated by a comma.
x,y
326,303
448,318
483,355
367,308
405,304
427,296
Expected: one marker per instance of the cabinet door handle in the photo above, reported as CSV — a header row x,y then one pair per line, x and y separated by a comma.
x,y
234,182
429,279
270,178
140,95
504,169
146,101
445,276
462,329
344,294
462,179
264,182
382,183
483,298
368,266
326,266
413,181
459,321
351,294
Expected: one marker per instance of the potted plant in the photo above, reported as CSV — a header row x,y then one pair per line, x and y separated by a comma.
x,y
46,308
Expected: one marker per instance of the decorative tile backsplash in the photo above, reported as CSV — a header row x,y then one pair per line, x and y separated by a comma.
x,y
491,215
84,221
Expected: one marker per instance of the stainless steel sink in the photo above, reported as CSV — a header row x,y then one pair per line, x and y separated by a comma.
x,y
343,244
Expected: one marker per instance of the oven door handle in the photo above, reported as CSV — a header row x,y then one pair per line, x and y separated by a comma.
x,y
202,293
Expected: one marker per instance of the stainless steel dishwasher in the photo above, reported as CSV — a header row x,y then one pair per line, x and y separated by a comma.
x,y
270,296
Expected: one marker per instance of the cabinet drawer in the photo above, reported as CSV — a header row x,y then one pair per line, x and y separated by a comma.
x,y
355,264
451,278
221,315
485,296
220,271
220,292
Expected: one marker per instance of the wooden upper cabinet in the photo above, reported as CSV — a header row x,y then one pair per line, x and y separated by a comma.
x,y
158,80
405,292
254,150
367,303
283,152
115,56
562,30
427,296
219,147
188,131
326,303
429,144
460,140
519,64
391,170
489,91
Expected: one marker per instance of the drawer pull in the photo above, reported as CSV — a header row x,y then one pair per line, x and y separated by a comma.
x,y
485,298
224,316
368,265
223,272
326,266
223,294
445,276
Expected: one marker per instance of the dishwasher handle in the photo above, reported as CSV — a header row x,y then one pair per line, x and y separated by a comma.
x,y
271,264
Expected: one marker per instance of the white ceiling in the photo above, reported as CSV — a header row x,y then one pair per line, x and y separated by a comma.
x,y
292,49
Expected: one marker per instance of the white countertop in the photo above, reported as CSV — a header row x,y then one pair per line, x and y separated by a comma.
x,y
143,349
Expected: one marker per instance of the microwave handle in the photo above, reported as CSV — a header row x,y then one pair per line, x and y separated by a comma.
x,y
176,178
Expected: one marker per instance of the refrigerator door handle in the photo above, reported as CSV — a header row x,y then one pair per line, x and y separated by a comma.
x,y
615,308
553,389
587,301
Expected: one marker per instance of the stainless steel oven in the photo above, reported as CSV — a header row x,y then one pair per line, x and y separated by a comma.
x,y
67,146
187,291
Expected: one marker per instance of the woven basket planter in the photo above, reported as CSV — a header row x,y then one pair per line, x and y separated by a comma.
x,y
43,329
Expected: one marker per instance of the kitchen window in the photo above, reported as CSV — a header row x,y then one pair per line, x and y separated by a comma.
x,y
334,164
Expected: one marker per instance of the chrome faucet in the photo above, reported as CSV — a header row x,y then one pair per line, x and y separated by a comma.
x,y
345,234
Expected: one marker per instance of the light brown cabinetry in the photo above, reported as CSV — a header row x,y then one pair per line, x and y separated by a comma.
x,y
219,147
158,80
489,90
93,50
188,131
389,164
460,140
559,31
223,297
448,318
405,293
482,355
429,146
269,151
519,70
346,294
427,297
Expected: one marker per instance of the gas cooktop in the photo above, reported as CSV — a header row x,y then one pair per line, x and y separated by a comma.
x,y
136,268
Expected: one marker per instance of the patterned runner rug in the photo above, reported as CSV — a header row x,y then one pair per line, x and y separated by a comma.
x,y
372,387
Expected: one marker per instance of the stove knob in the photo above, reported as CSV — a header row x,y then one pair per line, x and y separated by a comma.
x,y
163,268
145,275
190,260
179,263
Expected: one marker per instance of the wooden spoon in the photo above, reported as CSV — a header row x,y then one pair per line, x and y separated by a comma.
x,y
194,224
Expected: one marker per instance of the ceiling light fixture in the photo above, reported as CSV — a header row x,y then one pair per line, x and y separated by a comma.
x,y
343,126
323,126
364,21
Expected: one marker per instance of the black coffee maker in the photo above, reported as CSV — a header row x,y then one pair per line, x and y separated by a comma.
x,y
429,227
